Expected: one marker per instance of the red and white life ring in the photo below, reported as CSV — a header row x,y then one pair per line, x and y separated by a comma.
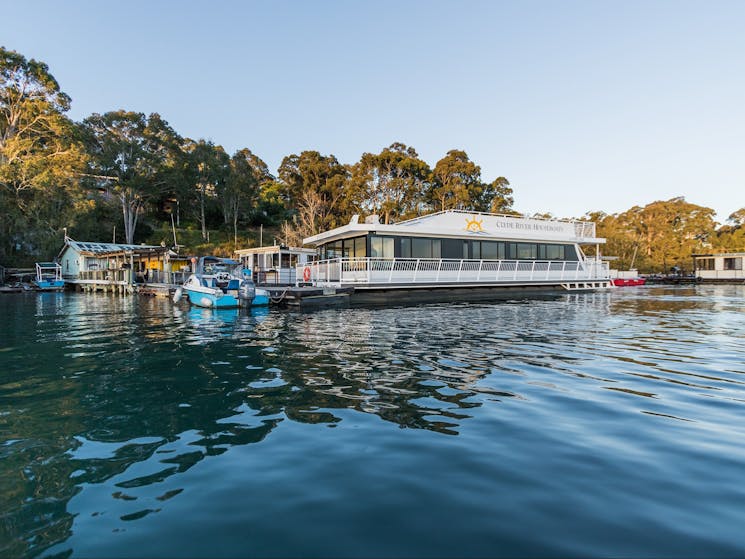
x,y
306,274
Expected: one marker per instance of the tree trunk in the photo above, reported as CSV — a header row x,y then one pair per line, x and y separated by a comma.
x,y
235,229
201,213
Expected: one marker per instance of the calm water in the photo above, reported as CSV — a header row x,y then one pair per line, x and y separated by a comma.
x,y
606,424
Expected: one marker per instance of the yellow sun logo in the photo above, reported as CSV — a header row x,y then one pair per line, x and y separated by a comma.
x,y
474,224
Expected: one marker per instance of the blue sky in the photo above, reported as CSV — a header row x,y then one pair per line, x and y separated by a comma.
x,y
582,105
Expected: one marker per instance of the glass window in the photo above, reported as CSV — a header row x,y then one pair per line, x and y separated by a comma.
x,y
554,252
381,247
476,250
704,263
436,248
526,251
376,247
421,248
405,246
360,250
452,248
354,248
570,253
388,247
334,250
733,263
489,250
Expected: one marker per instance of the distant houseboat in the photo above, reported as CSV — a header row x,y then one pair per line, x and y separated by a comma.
x,y
93,264
456,254
724,267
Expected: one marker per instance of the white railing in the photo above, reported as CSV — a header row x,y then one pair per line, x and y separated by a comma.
x,y
342,271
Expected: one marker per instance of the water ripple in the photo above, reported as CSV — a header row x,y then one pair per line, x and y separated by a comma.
x,y
604,424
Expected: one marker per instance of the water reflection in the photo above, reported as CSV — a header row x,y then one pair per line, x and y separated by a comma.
x,y
108,402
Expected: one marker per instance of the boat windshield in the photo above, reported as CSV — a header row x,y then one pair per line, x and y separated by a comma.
x,y
214,266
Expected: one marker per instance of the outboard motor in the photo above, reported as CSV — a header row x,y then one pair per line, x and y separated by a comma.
x,y
247,291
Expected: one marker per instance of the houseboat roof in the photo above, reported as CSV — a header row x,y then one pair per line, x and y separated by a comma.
x,y
719,255
108,249
463,224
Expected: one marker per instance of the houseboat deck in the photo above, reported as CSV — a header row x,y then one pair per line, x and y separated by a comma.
x,y
412,273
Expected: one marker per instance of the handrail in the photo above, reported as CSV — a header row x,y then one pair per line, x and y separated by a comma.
x,y
338,271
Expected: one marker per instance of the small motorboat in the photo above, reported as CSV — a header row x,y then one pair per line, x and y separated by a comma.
x,y
222,283
49,277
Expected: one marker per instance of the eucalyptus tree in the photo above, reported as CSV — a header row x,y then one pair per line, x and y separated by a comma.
x,y
133,157
657,236
737,218
40,152
496,197
242,188
730,237
391,183
311,173
208,167
456,182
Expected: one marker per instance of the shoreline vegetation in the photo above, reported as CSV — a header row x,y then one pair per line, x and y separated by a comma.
x,y
131,178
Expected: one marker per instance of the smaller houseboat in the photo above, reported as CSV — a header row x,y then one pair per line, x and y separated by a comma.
x,y
722,267
49,277
221,283
277,264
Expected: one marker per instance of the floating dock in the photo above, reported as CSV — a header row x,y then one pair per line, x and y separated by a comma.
x,y
309,297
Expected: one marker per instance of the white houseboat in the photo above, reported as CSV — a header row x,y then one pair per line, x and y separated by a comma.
x,y
275,265
456,255
723,267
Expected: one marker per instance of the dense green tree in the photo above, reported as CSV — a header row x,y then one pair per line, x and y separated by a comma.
x,y
658,236
391,183
133,157
456,182
272,208
737,218
208,167
310,175
731,236
242,188
41,156
496,197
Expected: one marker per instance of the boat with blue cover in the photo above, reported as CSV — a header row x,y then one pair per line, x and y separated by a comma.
x,y
222,283
49,277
